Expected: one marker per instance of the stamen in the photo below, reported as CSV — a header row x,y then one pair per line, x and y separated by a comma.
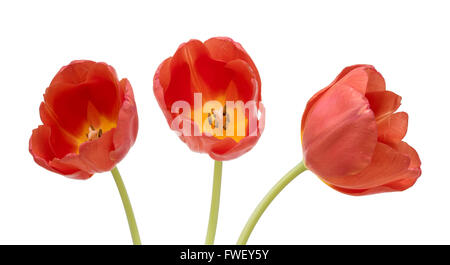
x,y
93,133
212,118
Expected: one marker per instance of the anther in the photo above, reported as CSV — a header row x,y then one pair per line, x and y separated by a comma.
x,y
93,133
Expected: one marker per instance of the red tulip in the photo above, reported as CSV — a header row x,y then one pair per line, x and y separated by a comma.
x,y
218,70
89,121
352,139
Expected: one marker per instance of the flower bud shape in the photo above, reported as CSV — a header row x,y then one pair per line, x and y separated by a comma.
x,y
352,136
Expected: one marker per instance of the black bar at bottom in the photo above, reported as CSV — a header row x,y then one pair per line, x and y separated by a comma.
x,y
223,254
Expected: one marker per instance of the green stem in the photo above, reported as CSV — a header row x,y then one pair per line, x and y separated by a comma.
x,y
262,206
215,200
127,206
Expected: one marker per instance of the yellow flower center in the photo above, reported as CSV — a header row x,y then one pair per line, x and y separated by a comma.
x,y
222,122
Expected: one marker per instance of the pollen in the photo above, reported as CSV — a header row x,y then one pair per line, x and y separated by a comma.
x,y
94,133
213,118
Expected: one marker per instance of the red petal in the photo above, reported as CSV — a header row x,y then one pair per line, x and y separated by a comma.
x,y
363,78
404,184
228,149
383,103
376,81
407,150
243,85
392,129
93,156
162,75
192,70
226,50
409,179
42,152
103,90
61,141
104,153
160,83
127,124
39,146
67,104
339,134
76,85
387,166
364,75
73,73
356,79
68,170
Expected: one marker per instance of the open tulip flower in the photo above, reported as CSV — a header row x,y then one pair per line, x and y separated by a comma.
x,y
90,122
210,94
200,79
352,140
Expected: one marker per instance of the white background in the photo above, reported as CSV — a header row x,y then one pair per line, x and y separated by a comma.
x,y
298,48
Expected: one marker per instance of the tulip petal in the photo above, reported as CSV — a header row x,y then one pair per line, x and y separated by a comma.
x,y
42,152
190,134
387,166
40,147
228,149
339,125
356,79
103,90
226,50
383,103
68,170
74,73
94,153
193,70
67,103
127,124
161,81
396,186
93,156
376,81
364,77
392,129
77,85
163,75
61,141
407,180
243,85
407,150
66,100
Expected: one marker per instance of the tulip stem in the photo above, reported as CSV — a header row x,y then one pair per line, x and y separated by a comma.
x,y
262,206
127,206
215,201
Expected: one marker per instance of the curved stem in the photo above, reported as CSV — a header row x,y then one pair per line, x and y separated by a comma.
x,y
127,206
262,206
215,201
